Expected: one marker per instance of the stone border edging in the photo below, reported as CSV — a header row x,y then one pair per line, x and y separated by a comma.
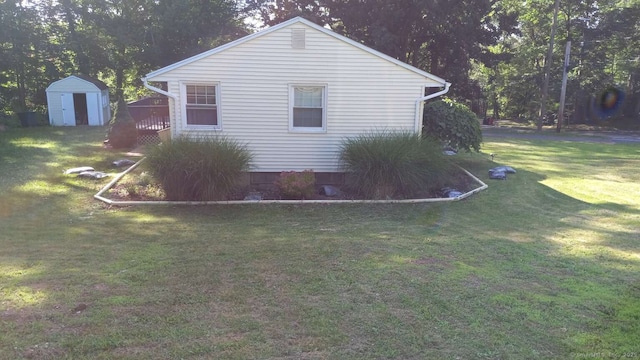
x,y
98,196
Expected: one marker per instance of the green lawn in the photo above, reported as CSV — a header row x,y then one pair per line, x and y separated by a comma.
x,y
545,265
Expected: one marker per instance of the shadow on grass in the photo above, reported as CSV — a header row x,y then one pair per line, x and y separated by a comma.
x,y
520,270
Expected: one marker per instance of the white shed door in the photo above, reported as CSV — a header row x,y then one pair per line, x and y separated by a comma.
x,y
93,109
68,111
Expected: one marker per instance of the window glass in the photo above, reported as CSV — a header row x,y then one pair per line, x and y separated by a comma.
x,y
307,117
308,97
308,107
201,94
201,107
202,116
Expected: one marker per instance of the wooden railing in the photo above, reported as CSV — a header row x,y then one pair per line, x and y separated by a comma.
x,y
150,117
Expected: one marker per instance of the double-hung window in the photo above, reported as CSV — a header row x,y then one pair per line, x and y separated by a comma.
x,y
308,108
201,106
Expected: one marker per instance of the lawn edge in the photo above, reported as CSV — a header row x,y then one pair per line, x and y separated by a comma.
x,y
98,196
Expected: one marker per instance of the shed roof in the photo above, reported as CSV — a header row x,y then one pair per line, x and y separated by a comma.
x,y
97,83
295,20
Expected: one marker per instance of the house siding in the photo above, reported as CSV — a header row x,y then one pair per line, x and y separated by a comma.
x,y
364,93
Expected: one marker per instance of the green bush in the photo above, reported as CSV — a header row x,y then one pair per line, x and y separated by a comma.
x,y
393,164
453,123
200,169
296,185
122,133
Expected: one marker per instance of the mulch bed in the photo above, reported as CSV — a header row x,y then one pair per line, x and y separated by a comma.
x,y
129,189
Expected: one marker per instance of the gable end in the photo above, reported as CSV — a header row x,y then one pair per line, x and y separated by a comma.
x,y
298,38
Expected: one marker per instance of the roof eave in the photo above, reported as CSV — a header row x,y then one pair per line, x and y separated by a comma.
x,y
439,81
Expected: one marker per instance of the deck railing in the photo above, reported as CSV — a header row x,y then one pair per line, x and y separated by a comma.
x,y
149,119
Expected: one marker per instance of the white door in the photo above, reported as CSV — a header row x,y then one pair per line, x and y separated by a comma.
x,y
93,109
68,111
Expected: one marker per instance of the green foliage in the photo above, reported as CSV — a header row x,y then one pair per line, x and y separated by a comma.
x,y
201,169
453,123
390,164
296,185
398,29
122,131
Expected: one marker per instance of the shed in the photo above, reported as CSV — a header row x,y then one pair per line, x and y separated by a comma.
x,y
293,93
78,100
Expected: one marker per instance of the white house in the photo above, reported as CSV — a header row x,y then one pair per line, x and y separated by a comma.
x,y
292,93
78,100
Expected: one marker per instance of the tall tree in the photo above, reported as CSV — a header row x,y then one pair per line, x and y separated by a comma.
x,y
179,29
21,43
604,38
440,36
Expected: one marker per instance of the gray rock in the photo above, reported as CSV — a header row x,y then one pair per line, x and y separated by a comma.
x,y
78,170
123,163
497,175
450,193
329,190
253,196
504,169
93,175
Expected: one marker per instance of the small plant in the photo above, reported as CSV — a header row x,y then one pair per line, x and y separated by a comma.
x,y
199,169
296,185
388,164
145,179
453,124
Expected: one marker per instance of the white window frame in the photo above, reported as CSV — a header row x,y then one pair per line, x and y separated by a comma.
x,y
323,128
183,96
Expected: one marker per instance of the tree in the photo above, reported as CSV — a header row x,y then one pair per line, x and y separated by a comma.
x,y
179,29
441,37
21,44
602,34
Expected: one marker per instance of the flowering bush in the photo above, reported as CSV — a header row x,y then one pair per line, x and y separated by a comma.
x,y
296,185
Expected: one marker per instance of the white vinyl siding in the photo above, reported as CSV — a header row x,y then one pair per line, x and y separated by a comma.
x,y
307,108
364,93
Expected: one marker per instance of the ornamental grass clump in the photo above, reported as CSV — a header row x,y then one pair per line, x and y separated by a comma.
x,y
201,169
296,185
381,165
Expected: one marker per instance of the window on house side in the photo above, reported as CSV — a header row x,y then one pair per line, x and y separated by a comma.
x,y
201,105
308,108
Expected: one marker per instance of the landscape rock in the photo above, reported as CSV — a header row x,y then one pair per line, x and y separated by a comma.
x,y
78,170
497,175
253,196
329,190
504,169
448,150
123,163
93,175
450,193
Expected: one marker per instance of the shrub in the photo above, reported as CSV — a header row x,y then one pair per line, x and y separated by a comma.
x,y
122,131
453,123
200,169
296,185
387,164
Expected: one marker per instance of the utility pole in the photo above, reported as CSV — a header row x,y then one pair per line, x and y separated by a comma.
x,y
547,64
563,92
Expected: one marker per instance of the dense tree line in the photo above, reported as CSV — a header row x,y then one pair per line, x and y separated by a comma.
x,y
492,51
116,41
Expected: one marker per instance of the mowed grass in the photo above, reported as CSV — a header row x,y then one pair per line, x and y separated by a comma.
x,y
544,265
